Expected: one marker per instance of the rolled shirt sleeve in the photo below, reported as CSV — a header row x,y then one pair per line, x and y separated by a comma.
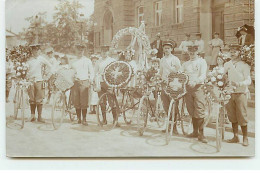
x,y
203,72
246,74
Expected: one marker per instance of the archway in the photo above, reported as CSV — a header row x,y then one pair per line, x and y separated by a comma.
x,y
108,27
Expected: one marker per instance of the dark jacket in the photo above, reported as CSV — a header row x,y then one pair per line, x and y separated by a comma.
x,y
248,41
160,49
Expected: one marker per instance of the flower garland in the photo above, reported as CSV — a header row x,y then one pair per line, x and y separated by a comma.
x,y
117,74
135,32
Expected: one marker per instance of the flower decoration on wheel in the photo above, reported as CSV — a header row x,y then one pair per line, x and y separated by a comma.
x,y
176,85
117,74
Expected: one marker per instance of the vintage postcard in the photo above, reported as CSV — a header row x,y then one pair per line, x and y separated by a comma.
x,y
130,78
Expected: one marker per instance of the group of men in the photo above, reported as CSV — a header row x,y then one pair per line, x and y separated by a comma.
x,y
194,66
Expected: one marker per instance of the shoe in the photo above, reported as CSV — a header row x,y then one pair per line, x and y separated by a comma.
x,y
84,123
245,141
104,122
79,121
192,135
235,139
32,119
203,139
118,125
40,120
175,131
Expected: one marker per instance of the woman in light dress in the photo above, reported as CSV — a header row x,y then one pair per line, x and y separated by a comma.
x,y
215,44
93,94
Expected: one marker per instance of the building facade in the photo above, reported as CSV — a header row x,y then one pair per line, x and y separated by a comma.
x,y
171,18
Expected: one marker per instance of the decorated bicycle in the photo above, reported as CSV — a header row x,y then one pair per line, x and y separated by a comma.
x,y
119,78
218,90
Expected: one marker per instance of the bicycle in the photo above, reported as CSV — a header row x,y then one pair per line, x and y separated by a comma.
x,y
146,109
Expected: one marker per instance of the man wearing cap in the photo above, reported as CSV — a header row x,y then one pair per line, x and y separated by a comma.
x,y
36,90
239,75
157,44
169,63
84,75
102,65
215,44
47,74
196,69
245,38
184,47
200,43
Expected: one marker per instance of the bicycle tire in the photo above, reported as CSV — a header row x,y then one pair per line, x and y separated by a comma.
x,y
170,122
218,134
128,108
72,116
186,120
159,112
19,104
58,110
23,108
142,115
105,102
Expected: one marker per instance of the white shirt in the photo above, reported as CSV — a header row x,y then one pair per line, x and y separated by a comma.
x,y
196,70
169,64
35,68
102,65
183,47
200,44
238,72
84,69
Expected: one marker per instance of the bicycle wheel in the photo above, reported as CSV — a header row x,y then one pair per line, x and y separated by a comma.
x,y
170,122
107,111
19,104
142,115
128,108
186,119
208,110
58,110
159,112
69,109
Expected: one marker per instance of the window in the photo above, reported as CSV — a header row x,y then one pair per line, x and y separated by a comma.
x,y
97,39
140,15
179,11
158,13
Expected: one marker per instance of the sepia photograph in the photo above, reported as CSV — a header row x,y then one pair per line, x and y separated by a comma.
x,y
130,78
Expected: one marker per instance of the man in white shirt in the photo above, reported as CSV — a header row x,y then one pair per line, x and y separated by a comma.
x,y
47,74
184,47
196,69
239,76
84,75
36,90
106,60
200,43
169,63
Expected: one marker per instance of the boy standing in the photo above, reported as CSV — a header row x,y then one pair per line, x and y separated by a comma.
x,y
239,76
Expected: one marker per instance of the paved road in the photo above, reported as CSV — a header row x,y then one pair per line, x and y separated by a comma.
x,y
73,140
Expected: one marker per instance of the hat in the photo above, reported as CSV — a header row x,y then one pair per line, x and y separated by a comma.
x,y
187,35
80,46
235,47
193,48
153,51
158,34
154,59
48,50
169,43
35,46
243,29
104,48
95,56
216,33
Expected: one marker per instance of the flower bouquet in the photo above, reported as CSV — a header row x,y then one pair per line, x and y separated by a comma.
x,y
247,54
19,56
217,87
